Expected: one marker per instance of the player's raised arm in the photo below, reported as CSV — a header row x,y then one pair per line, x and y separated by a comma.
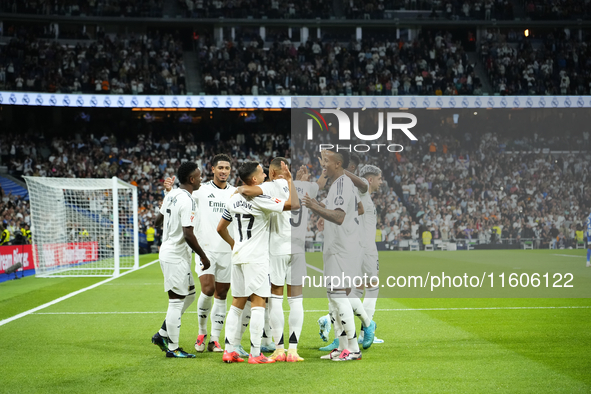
x,y
191,240
323,178
358,182
222,228
168,183
293,202
249,191
336,216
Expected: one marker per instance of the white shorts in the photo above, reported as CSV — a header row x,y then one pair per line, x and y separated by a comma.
x,y
177,277
342,266
288,268
220,268
371,265
249,279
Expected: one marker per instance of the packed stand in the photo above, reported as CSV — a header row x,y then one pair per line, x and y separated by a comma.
x,y
557,65
133,64
452,189
437,9
15,219
557,9
256,9
465,189
144,163
127,8
428,66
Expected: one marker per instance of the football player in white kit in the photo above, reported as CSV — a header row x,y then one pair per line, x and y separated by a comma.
x,y
368,181
178,238
286,267
250,258
356,293
340,252
210,202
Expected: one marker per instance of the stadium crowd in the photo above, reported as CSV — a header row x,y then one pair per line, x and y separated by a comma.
x,y
454,190
127,8
120,64
450,9
557,9
144,163
558,64
445,185
274,9
435,65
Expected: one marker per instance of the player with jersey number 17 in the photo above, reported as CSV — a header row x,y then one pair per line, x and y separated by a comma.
x,y
250,257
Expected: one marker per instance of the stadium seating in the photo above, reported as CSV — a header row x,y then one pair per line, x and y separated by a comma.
x,y
126,64
434,65
126,8
439,206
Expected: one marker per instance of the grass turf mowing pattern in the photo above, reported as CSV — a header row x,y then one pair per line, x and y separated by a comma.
x,y
510,350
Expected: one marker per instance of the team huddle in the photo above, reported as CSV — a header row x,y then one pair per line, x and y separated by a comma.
x,y
252,239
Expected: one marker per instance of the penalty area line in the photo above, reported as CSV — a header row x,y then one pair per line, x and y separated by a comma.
x,y
50,303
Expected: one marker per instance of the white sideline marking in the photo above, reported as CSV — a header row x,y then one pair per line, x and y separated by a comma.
x,y
315,268
50,303
569,255
324,311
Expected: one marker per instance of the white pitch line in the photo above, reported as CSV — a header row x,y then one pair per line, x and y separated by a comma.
x,y
569,255
314,268
324,311
50,303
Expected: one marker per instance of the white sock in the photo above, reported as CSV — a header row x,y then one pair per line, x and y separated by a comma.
x,y
232,327
358,309
218,315
173,322
203,310
188,301
296,319
257,321
277,320
339,333
369,302
267,337
345,313
245,319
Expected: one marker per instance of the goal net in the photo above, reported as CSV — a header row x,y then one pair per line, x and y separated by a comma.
x,y
83,227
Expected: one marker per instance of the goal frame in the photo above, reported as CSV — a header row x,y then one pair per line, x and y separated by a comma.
x,y
115,184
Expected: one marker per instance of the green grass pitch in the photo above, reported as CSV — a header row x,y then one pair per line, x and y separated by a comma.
x,y
99,341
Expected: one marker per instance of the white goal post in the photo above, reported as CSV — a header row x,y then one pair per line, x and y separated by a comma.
x,y
83,227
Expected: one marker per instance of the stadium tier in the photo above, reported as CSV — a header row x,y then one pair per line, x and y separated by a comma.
x,y
445,183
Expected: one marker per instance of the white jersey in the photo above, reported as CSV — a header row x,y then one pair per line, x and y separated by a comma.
x,y
299,218
211,202
368,222
342,239
251,233
280,228
178,209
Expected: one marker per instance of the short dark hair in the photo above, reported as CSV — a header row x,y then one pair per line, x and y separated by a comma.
x,y
354,159
246,170
276,162
185,170
266,171
345,157
220,157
